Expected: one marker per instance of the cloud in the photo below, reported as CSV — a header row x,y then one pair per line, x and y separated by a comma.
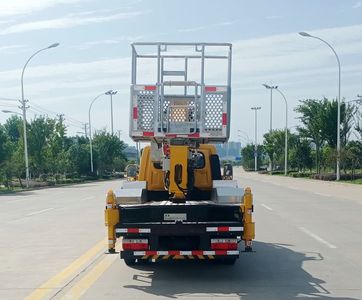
x,y
18,7
115,41
302,67
207,26
273,17
11,48
70,20
357,4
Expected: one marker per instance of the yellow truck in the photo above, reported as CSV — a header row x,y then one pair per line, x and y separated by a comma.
x,y
180,207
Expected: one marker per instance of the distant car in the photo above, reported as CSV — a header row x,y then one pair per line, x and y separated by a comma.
x,y
131,172
228,172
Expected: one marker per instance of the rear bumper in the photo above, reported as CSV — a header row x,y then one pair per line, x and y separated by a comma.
x,y
171,255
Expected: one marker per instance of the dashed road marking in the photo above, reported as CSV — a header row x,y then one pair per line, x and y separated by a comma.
x,y
322,194
317,238
40,211
266,206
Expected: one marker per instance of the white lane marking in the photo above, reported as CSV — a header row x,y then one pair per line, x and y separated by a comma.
x,y
318,238
322,194
293,188
266,206
87,198
40,211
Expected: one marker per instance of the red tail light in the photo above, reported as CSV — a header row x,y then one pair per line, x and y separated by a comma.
x,y
135,244
224,244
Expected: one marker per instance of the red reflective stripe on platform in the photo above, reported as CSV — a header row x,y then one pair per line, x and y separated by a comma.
x,y
171,135
150,87
221,252
197,252
224,119
151,252
148,133
210,88
132,230
134,246
223,229
135,113
173,252
196,135
224,246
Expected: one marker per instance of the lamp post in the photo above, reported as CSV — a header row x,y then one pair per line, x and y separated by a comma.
x,y
90,128
286,134
305,34
111,93
23,107
256,135
271,88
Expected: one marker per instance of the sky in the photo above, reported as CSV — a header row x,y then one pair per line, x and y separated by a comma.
x,y
94,54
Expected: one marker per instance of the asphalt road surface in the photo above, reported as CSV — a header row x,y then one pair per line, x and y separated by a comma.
x,y
308,245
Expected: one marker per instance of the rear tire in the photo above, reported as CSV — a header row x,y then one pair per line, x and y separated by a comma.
x,y
130,262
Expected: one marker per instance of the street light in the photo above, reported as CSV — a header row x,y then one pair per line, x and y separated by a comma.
x,y
271,88
256,132
111,93
23,107
90,127
286,134
305,34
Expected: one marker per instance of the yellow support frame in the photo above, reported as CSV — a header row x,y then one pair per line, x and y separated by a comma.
x,y
249,226
111,217
178,157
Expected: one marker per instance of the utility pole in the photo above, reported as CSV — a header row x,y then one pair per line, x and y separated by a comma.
x,y
256,138
119,133
85,130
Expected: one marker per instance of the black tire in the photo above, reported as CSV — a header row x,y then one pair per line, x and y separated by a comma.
x,y
130,262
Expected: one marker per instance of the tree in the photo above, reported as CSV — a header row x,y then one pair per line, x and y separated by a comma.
x,y
108,147
247,156
13,128
274,145
79,158
312,117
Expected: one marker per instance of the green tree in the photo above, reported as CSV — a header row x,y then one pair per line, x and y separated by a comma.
x,y
108,147
79,158
312,117
13,128
247,156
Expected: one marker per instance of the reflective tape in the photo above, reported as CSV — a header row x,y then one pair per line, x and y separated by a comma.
x,y
186,253
133,230
223,229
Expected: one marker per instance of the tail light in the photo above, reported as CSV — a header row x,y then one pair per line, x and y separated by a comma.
x,y
135,244
224,244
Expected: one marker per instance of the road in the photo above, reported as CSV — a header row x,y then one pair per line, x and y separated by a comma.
x,y
308,245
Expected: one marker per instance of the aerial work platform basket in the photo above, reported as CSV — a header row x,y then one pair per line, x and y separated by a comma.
x,y
180,90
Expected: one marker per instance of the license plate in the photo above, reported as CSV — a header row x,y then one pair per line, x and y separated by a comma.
x,y
175,217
